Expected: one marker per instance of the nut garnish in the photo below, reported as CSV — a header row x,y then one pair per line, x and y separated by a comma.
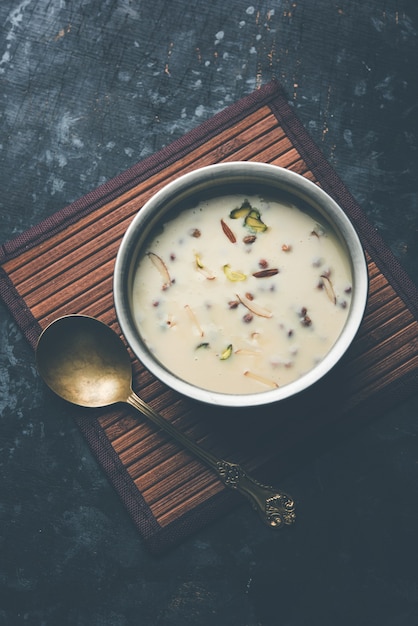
x,y
254,307
261,379
254,222
202,269
241,211
329,288
305,319
226,353
228,232
233,275
162,268
266,273
194,319
252,217
247,352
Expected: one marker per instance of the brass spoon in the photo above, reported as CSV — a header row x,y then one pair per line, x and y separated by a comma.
x,y
84,362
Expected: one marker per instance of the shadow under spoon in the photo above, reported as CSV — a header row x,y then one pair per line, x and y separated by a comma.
x,y
85,362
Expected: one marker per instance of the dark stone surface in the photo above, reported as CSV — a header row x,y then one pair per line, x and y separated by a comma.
x,y
88,88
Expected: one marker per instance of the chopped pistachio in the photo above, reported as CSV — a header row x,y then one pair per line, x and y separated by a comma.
x,y
252,218
233,275
241,211
226,353
254,222
235,214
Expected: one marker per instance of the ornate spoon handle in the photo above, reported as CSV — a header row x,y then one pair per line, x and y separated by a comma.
x,y
275,508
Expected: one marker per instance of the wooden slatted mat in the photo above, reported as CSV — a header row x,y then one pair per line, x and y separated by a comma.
x,y
65,264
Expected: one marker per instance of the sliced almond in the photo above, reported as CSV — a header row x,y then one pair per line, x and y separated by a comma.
x,y
261,379
228,232
329,288
207,273
194,319
270,271
162,268
254,307
247,352
199,263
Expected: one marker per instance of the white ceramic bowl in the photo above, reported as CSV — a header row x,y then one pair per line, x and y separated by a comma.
x,y
209,179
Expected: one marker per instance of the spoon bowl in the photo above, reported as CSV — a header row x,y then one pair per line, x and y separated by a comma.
x,y
84,362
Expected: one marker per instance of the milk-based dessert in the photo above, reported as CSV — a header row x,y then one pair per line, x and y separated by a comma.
x,y
240,294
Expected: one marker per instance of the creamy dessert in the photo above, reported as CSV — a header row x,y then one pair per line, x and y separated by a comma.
x,y
242,294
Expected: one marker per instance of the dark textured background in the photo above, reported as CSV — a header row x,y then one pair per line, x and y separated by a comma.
x,y
87,89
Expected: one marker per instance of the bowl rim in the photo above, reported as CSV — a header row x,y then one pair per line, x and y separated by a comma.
x,y
211,176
